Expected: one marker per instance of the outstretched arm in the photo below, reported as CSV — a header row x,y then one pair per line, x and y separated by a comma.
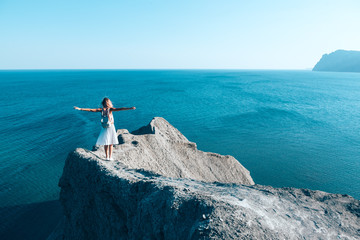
x,y
122,109
88,109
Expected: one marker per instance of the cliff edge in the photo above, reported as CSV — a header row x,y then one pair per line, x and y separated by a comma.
x,y
339,61
162,149
161,187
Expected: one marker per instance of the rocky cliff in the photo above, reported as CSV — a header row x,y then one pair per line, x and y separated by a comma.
x,y
339,61
162,187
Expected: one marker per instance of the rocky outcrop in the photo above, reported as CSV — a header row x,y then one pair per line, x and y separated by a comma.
x,y
162,149
339,61
141,195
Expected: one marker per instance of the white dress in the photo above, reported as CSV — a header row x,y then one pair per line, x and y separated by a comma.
x,y
108,135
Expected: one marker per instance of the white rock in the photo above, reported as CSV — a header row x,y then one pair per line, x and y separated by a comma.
x,y
108,200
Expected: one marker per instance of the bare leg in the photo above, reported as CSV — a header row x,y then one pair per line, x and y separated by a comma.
x,y
106,148
110,150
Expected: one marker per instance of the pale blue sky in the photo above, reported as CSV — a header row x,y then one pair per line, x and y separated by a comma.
x,y
78,34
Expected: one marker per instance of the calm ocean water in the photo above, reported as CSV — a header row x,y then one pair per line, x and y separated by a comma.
x,y
289,128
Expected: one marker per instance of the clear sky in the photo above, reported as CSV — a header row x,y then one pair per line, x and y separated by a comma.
x,y
116,34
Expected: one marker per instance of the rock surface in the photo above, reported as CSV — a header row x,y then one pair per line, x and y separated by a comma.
x,y
339,61
162,149
152,199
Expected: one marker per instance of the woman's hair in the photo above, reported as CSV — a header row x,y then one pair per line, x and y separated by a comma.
x,y
106,102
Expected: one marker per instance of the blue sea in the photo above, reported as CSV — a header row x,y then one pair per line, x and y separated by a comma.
x,y
289,128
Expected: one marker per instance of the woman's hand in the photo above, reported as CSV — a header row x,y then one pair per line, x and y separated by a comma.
x,y
133,108
77,108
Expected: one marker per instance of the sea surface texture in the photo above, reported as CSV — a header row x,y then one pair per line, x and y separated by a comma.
x,y
288,128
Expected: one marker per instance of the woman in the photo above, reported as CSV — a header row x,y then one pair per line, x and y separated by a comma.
x,y
107,136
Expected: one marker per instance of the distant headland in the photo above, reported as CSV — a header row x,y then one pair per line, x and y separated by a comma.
x,y
339,61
